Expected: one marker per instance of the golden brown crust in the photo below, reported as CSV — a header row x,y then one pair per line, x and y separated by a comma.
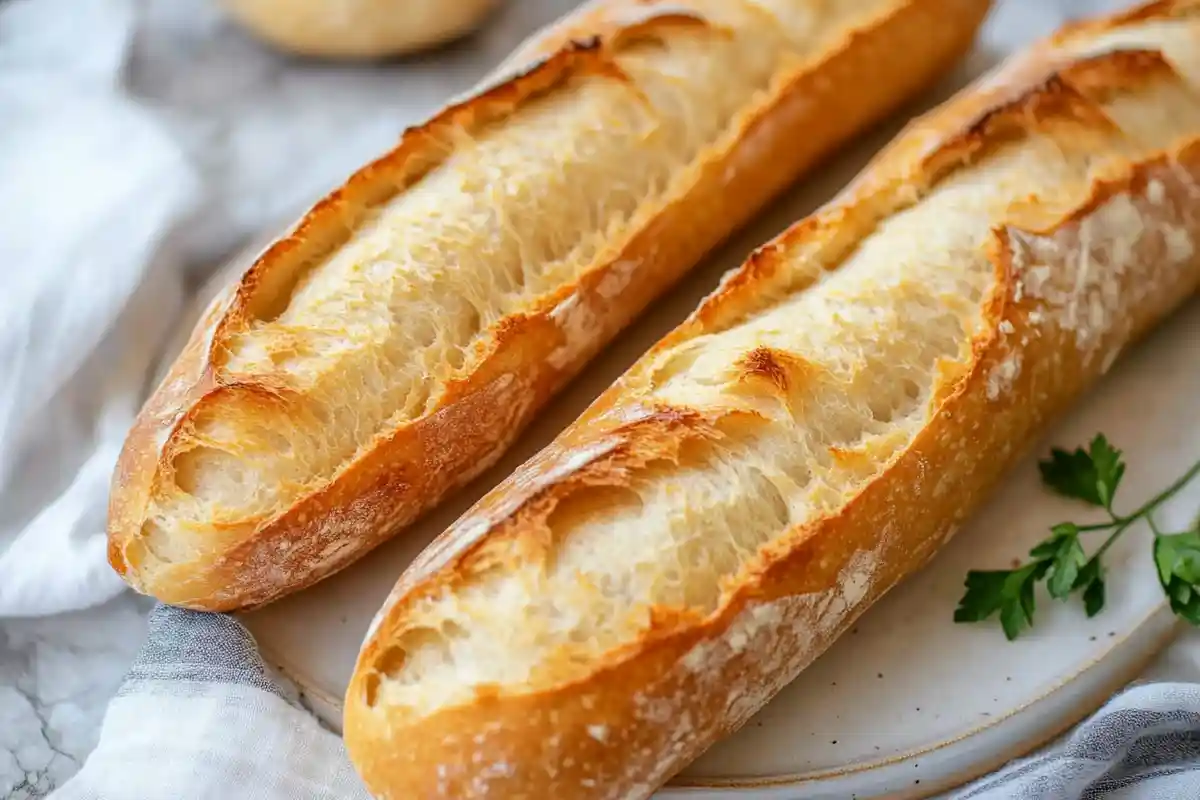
x,y
642,711
386,486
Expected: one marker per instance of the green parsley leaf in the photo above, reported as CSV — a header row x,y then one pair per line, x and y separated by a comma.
x,y
1177,559
1066,561
1109,467
1178,555
1189,610
1025,594
984,595
1013,618
1048,548
1008,591
1091,580
1093,596
1091,475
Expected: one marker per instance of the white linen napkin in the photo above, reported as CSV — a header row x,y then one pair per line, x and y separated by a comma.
x,y
90,187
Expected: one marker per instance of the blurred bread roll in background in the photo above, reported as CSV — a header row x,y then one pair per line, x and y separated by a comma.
x,y
358,29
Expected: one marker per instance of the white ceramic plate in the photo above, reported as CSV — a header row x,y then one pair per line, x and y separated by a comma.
x,y
908,703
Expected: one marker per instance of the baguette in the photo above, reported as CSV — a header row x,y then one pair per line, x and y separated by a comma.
x,y
392,345
811,435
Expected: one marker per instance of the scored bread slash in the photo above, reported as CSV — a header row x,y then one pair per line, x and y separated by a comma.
x,y
392,345
808,437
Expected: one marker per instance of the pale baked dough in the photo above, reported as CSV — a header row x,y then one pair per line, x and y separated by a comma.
x,y
812,434
391,346
354,29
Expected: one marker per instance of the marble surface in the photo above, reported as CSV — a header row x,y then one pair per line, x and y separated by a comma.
x,y
57,674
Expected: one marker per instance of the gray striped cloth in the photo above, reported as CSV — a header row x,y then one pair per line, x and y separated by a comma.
x,y
200,717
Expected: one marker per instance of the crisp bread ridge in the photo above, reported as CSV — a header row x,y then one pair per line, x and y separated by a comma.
x,y
308,419
1041,222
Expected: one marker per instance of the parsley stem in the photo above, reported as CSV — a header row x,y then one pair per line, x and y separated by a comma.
x,y
1101,526
1112,538
1147,510
1167,493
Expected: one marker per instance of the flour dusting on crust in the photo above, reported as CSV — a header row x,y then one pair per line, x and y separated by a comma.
x,y
1003,375
1089,299
779,638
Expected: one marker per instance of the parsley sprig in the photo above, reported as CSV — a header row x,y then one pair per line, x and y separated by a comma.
x,y
1092,476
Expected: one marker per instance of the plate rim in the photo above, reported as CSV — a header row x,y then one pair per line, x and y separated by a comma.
x,y
682,786
1092,700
